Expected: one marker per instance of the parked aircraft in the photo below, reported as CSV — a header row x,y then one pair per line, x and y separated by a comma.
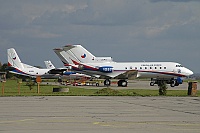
x,y
82,60
17,67
66,72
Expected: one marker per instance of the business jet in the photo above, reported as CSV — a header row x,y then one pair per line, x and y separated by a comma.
x,y
80,59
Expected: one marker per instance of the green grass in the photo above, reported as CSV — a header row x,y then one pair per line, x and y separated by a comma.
x,y
11,89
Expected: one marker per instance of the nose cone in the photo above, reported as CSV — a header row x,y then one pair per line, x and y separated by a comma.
x,y
189,72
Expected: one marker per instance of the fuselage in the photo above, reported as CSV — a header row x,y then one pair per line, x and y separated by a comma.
x,y
144,69
31,71
44,73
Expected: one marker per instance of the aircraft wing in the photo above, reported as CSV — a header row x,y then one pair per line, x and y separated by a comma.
x,y
131,74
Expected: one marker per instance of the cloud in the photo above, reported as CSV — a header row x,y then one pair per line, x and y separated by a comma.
x,y
129,27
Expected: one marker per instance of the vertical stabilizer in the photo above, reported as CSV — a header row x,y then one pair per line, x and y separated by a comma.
x,y
13,59
49,65
63,56
79,53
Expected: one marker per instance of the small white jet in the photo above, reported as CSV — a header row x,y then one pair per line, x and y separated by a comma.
x,y
17,67
82,60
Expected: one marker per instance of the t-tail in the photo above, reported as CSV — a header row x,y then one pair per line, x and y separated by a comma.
x,y
13,59
64,56
79,53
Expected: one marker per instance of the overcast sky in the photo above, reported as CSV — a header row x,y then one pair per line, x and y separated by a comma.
x,y
127,30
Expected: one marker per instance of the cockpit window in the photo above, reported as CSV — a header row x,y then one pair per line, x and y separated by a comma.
x,y
179,66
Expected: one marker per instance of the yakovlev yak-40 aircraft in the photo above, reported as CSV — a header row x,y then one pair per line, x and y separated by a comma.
x,y
82,60
17,67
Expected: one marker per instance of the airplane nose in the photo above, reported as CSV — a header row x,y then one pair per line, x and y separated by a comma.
x,y
189,72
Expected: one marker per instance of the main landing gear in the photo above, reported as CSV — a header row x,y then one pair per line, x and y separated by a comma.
x,y
121,83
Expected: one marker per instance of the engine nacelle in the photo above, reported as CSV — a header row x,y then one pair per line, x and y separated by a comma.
x,y
106,69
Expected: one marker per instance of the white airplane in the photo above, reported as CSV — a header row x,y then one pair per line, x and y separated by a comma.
x,y
17,67
82,60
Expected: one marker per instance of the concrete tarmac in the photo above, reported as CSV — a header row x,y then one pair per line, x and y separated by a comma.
x,y
77,114
140,84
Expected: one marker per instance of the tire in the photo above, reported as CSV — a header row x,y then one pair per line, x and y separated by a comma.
x,y
124,83
119,83
107,82
97,84
173,83
152,83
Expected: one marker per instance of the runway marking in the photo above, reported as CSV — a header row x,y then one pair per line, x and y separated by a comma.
x,y
167,123
16,121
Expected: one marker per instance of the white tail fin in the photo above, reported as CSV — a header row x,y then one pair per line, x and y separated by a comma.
x,y
13,59
49,64
64,57
79,53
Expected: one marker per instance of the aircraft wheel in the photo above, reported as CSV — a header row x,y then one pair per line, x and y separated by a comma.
x,y
119,83
173,83
97,84
152,83
107,82
124,83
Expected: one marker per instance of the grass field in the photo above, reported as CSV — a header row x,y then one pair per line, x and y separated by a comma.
x,y
11,89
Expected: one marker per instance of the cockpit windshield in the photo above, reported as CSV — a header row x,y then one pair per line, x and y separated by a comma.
x,y
179,65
